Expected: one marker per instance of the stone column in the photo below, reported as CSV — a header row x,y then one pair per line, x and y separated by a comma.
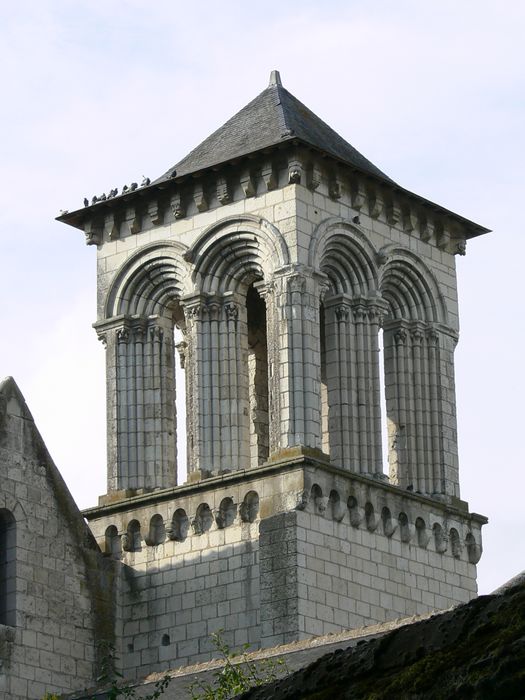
x,y
217,385
271,294
298,300
141,419
353,376
443,353
421,408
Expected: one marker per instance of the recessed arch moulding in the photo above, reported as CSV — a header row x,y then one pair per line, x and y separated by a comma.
x,y
324,303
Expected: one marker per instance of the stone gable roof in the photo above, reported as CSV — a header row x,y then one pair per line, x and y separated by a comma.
x,y
273,117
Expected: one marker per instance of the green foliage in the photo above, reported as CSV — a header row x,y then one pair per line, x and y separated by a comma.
x,y
237,675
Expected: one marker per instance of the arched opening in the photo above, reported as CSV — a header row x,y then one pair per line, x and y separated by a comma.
x,y
180,390
250,507
227,512
370,517
353,508
316,498
7,568
388,525
179,526
157,531
455,543
203,519
421,532
404,528
132,542
258,377
112,542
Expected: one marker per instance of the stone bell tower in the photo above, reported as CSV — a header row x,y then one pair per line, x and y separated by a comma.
x,y
283,260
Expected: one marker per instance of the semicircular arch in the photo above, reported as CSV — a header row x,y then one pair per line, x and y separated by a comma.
x,y
341,251
149,281
236,251
410,288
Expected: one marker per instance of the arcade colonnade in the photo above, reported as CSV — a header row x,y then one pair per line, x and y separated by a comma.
x,y
279,357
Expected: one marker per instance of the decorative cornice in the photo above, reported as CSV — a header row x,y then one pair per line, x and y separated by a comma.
x,y
291,163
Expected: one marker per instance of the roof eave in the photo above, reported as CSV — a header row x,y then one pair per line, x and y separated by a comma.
x,y
79,216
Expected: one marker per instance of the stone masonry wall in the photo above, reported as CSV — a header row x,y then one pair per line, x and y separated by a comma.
x,y
175,595
62,604
279,553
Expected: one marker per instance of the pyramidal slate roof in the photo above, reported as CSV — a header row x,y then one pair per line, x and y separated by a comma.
x,y
273,117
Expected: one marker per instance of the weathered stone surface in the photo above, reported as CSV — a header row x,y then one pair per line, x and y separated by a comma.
x,y
61,585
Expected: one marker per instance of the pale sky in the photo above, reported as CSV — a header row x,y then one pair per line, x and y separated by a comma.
x,y
97,94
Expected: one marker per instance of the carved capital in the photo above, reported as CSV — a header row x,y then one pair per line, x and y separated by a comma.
x,y
433,336
400,336
417,336
342,312
156,333
213,309
360,313
194,312
139,333
123,335
296,283
376,314
232,311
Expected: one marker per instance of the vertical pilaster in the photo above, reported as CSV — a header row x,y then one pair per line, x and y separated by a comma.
x,y
217,381
299,355
444,353
271,293
421,407
353,377
140,403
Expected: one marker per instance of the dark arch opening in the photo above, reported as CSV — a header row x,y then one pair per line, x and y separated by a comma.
x,y
258,377
7,568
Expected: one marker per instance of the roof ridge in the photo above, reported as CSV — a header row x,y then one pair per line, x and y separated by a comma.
x,y
283,124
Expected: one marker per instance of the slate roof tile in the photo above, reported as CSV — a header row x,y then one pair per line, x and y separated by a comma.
x,y
273,117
